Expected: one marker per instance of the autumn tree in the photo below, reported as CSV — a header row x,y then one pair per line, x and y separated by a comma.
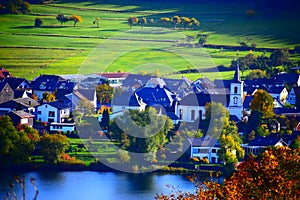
x,y
49,97
256,74
185,21
176,20
52,146
132,20
143,21
104,93
165,20
263,102
274,175
76,19
194,22
279,57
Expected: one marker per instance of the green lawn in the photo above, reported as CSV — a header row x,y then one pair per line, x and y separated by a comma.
x,y
28,51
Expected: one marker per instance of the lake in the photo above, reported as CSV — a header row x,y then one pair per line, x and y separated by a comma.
x,y
95,185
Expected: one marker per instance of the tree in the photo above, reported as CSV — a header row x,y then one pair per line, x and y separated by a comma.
x,y
149,138
52,146
176,20
76,19
38,22
263,102
165,20
15,6
105,120
256,74
143,21
194,22
49,97
132,20
185,21
296,143
123,156
85,107
202,38
279,57
97,22
15,146
152,22
62,18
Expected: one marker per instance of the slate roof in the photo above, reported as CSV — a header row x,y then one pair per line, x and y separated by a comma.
x,y
275,89
176,84
14,83
201,99
157,95
4,73
286,111
270,140
133,79
206,141
2,85
88,93
21,114
247,102
223,83
262,82
46,82
286,78
154,82
27,101
58,105
126,99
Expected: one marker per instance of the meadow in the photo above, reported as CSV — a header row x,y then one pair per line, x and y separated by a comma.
x,y
28,51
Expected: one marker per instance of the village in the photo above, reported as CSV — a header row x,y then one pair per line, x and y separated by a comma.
x,y
48,103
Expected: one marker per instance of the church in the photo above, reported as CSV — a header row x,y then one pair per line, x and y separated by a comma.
x,y
230,94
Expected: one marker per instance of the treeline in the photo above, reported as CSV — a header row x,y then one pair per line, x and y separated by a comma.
x,y
174,21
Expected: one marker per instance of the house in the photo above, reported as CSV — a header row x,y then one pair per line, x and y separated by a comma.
x,y
284,78
4,73
45,83
115,79
18,83
62,127
52,112
260,143
294,96
135,81
278,92
205,147
6,92
26,104
21,117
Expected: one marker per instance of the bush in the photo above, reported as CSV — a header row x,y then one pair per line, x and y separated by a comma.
x,y
38,22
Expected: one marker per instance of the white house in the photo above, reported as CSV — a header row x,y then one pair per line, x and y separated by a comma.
x,y
279,93
206,147
115,79
52,112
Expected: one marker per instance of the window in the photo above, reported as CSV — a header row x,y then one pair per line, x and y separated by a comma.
x,y
200,114
206,150
214,150
192,115
213,159
235,100
50,120
235,90
39,112
180,113
51,114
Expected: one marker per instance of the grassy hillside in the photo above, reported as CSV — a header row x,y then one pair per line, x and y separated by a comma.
x,y
28,51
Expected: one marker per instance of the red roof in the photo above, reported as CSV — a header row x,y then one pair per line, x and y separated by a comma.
x,y
4,73
114,75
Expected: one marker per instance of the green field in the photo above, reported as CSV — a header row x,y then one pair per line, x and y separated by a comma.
x,y
28,51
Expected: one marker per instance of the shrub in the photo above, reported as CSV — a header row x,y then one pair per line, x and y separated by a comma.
x,y
38,22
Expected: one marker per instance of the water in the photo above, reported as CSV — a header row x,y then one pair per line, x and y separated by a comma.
x,y
95,185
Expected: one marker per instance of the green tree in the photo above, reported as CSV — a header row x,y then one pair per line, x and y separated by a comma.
x,y
15,146
97,22
263,102
38,22
62,18
279,57
202,38
123,156
15,6
296,143
52,146
105,120
165,21
149,138
256,74
132,20
176,20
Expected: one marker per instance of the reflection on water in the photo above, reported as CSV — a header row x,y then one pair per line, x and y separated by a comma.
x,y
96,185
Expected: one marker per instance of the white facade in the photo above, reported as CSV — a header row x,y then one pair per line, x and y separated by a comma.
x,y
48,113
62,127
190,113
291,97
205,152
282,96
236,99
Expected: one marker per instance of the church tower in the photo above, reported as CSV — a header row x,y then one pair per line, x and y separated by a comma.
x,y
236,94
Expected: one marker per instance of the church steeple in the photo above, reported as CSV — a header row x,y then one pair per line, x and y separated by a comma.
x,y
237,77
